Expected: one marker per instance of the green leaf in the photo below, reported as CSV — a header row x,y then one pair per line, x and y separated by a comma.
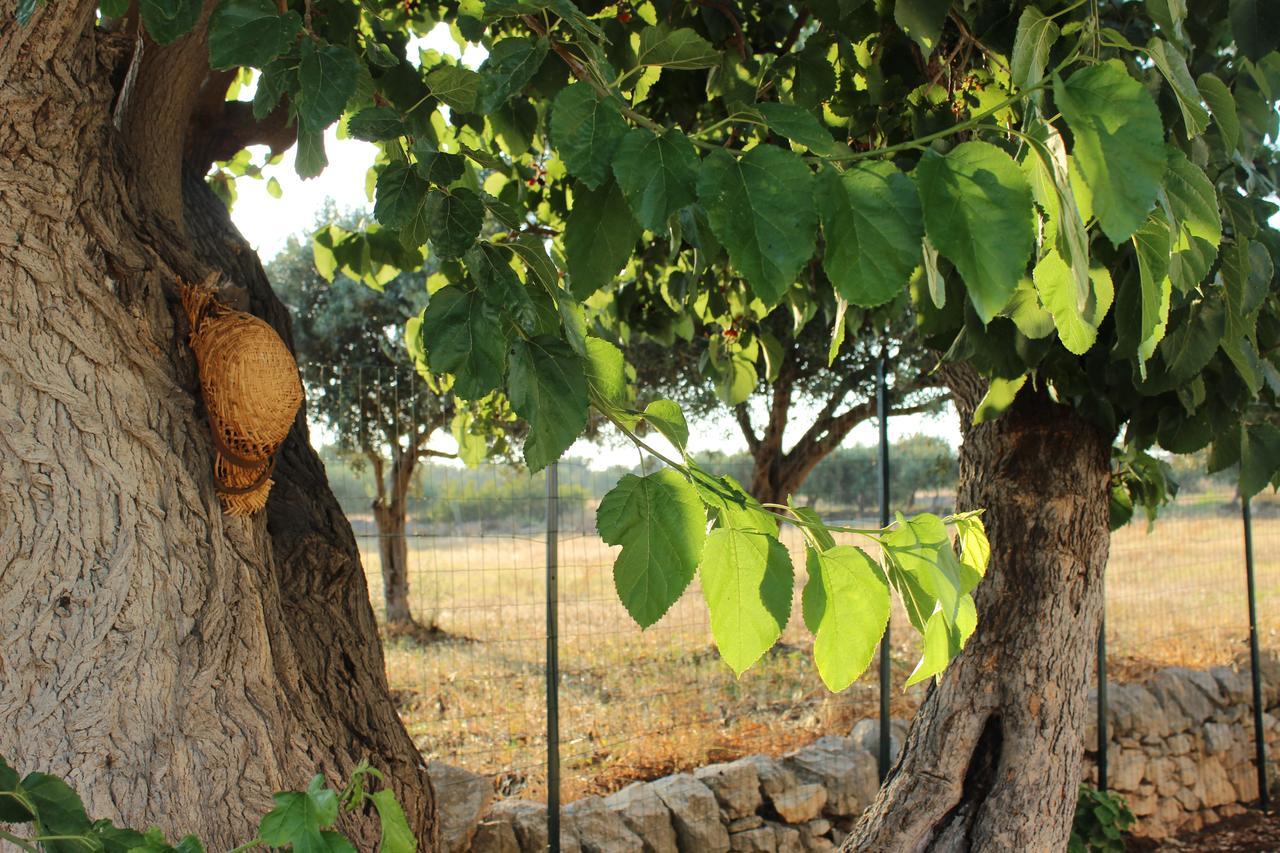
x,y
1259,458
396,835
1169,15
977,212
1152,243
1077,329
1119,144
400,195
310,158
510,66
607,377
975,550
846,606
327,76
1190,346
599,237
1174,68
1000,395
58,812
461,334
376,124
1026,312
12,807
453,221
733,506
667,418
922,20
1223,106
735,379
548,388
298,818
455,86
586,130
168,20
761,208
1194,205
661,525
490,267
871,220
1050,175
438,167
1035,36
250,32
746,580
658,175
800,125
1253,25
679,50
921,548
935,651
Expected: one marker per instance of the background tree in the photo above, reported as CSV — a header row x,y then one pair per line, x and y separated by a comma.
x,y
820,391
349,339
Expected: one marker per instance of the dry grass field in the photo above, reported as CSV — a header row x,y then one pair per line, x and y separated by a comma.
x,y
642,704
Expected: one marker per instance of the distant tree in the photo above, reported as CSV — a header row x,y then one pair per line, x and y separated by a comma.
x,y
362,386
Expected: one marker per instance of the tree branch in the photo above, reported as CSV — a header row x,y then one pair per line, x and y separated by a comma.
x,y
743,417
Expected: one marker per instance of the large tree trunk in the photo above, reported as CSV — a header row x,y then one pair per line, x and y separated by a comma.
x,y
175,664
993,757
393,550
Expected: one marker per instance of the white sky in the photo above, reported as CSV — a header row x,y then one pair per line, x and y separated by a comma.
x,y
268,223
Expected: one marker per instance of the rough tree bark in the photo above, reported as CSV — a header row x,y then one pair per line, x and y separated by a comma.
x,y
993,757
176,665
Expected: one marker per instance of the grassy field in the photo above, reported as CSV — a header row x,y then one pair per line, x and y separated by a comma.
x,y
642,704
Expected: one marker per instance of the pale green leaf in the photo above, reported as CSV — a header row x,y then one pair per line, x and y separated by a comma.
x,y
1000,396
846,606
1026,312
1077,329
733,506
679,49
667,418
396,835
1153,244
1035,36
746,580
607,377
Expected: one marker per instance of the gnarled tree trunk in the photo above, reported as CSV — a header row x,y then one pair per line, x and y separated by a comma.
x,y
176,665
993,757
390,510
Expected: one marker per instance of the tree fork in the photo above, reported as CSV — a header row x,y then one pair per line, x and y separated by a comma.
x,y
1000,738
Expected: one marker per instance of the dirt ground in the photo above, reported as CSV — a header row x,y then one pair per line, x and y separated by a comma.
x,y
1251,832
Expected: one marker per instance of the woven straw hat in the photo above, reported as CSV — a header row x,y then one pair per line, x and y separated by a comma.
x,y
250,385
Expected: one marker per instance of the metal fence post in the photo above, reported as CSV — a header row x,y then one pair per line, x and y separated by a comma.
x,y
1103,737
1255,660
553,658
886,675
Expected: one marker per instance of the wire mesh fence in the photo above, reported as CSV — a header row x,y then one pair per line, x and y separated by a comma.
x,y
470,675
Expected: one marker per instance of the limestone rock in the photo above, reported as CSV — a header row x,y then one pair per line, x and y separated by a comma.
x,y
788,838
1213,788
736,786
866,734
742,824
599,828
1217,738
495,836
645,815
774,776
1235,685
529,820
760,839
847,772
462,797
694,813
1181,697
801,803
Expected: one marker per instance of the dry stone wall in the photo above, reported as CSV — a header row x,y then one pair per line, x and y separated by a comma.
x,y
1181,751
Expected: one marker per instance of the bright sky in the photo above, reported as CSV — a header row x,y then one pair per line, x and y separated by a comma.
x,y
268,223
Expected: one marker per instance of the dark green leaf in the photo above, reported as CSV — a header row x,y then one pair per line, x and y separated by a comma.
x,y
1253,24
1036,35
761,208
1174,69
657,174
310,158
438,167
586,130
548,388
871,220
661,525
376,124
461,335
327,75
922,20
1223,106
1119,144
680,50
977,212
167,20
599,237
400,196
59,812
455,86
746,581
1194,205
250,32
454,220
510,66
1259,458
800,125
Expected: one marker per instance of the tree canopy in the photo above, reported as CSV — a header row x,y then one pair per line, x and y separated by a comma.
x,y
1072,195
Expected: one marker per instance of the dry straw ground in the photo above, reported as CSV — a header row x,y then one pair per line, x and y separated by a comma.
x,y
642,704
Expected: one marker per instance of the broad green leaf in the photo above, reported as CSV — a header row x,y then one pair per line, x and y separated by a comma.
x,y
1247,269
816,530
1223,106
401,195
510,66
975,550
607,376
921,548
396,835
167,20
12,809
453,220
1174,68
1194,205
586,130
800,125
658,175
733,506
1077,329
1153,243
472,448
679,49
1026,312
436,166
1253,24
327,76
1119,144
936,650
872,224
1000,396
667,418
455,86
1190,345
735,379
461,334
846,606
1035,36
1169,15
310,159
1259,458
298,818
599,237
977,212
661,525
490,267
250,32
747,581
922,20
761,208
1049,171
548,388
